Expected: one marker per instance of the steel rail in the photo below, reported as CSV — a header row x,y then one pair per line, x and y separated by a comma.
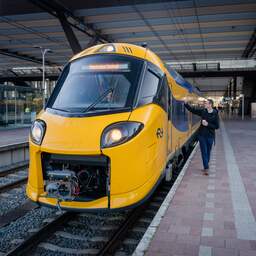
x,y
12,185
13,168
43,233
117,238
109,248
16,213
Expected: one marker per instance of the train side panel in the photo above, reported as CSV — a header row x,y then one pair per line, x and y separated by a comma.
x,y
143,160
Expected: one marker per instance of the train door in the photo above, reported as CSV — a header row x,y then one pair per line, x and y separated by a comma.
x,y
169,121
189,122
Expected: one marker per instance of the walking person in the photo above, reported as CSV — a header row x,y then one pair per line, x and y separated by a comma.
x,y
206,133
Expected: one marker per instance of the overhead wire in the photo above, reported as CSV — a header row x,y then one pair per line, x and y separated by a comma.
x,y
179,27
11,39
199,27
156,34
30,30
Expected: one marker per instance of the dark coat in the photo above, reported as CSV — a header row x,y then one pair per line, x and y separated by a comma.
x,y
211,118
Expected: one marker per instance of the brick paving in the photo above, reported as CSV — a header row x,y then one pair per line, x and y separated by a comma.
x,y
11,136
200,219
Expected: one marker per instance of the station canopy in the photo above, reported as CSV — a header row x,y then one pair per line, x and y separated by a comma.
x,y
178,31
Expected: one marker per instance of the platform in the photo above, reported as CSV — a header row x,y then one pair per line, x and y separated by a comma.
x,y
214,215
13,136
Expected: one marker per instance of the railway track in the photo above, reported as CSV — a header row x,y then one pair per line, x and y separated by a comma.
x,y
17,212
39,236
13,168
39,241
12,189
112,244
110,232
13,184
55,227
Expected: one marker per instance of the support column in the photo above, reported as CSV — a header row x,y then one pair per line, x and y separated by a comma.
x,y
230,89
234,87
194,66
249,93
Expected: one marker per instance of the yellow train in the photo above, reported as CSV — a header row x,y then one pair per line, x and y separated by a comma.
x,y
111,131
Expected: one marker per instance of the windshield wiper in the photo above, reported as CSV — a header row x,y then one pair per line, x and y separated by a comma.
x,y
101,97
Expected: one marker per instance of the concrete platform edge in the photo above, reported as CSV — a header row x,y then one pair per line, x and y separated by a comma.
x,y
149,234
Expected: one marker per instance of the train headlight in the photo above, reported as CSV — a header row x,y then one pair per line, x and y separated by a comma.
x,y
119,133
115,135
107,48
37,131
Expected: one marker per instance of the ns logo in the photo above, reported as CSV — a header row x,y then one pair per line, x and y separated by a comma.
x,y
159,133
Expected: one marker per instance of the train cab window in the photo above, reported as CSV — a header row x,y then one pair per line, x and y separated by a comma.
x,y
97,83
148,88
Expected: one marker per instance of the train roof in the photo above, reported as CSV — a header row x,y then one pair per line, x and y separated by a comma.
x,y
120,48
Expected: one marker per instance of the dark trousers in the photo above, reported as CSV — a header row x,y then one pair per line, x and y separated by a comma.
x,y
205,146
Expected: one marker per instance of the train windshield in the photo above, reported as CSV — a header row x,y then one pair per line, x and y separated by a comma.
x,y
97,83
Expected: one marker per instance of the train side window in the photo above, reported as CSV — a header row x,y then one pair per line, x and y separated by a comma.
x,y
179,115
162,95
148,88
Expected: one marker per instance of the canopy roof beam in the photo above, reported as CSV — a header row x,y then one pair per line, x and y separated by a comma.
x,y
250,48
17,55
55,8
70,35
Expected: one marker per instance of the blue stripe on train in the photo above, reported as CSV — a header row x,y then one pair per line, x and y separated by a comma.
x,y
181,81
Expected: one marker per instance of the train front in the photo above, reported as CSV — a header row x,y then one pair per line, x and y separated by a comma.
x,y
86,146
